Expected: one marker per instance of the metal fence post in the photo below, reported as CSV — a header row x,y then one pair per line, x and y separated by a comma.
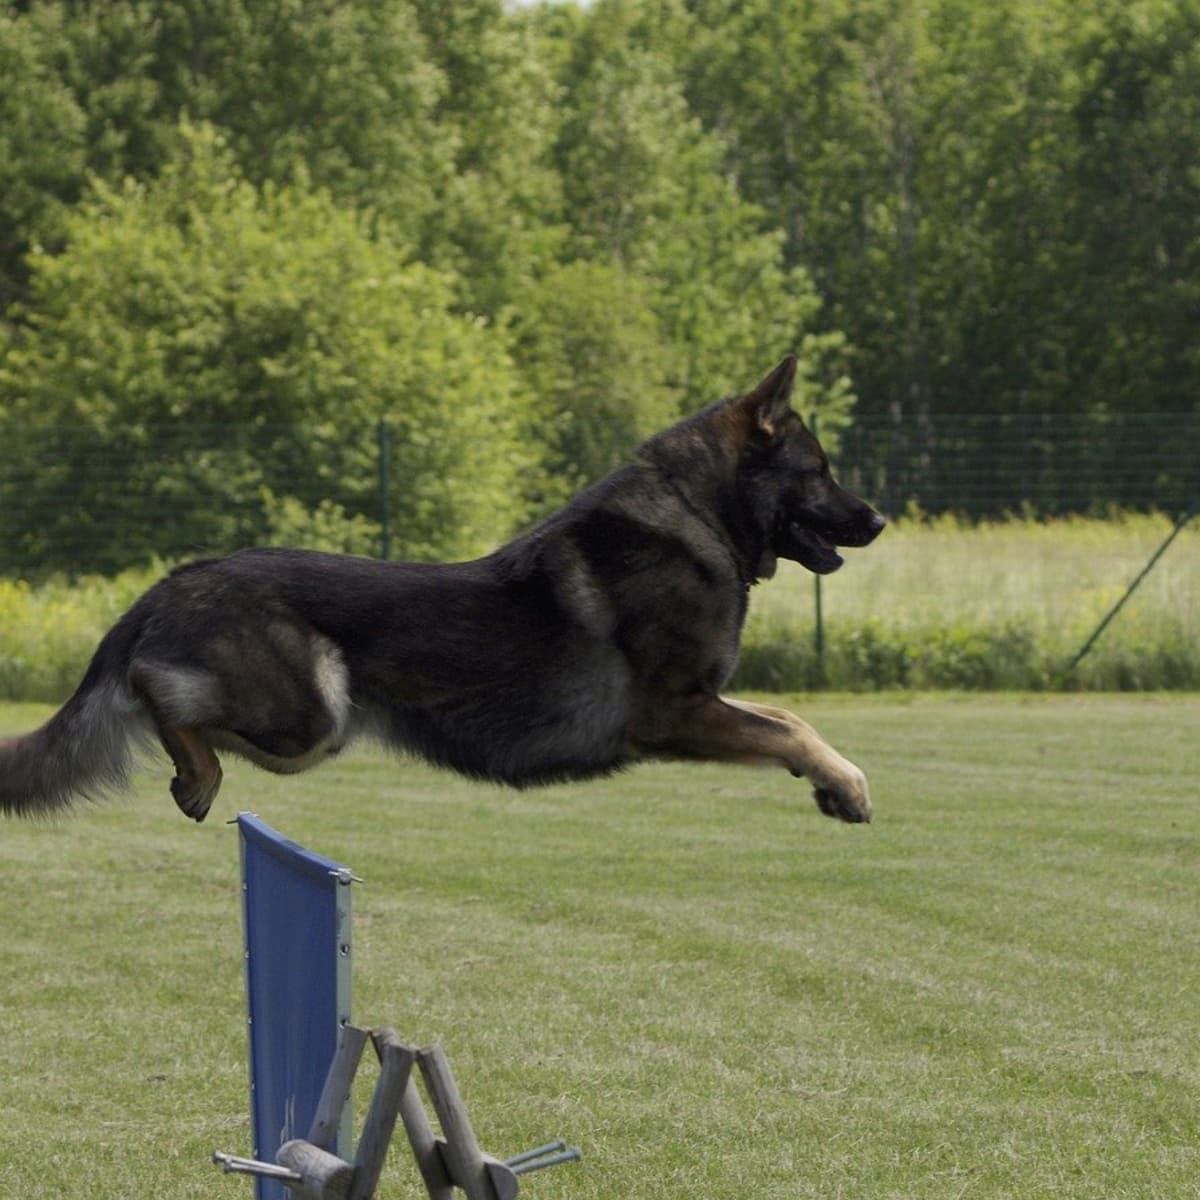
x,y
385,458
819,628
1184,518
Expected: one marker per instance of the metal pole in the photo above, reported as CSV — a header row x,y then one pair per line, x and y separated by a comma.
x,y
1116,608
385,458
819,630
570,1154
233,1164
537,1152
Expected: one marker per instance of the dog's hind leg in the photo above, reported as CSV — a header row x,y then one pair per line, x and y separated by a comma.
x,y
280,699
295,716
197,771
167,693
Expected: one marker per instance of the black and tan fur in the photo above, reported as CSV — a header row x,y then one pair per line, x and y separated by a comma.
x,y
603,635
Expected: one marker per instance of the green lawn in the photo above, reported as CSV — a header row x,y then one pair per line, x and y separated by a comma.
x,y
716,992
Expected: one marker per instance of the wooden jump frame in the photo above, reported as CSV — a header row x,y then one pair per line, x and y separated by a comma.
x,y
453,1160
308,1167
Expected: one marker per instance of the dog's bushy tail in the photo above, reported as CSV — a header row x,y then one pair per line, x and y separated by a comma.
x,y
86,748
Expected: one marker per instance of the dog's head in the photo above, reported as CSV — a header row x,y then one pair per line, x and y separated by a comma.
x,y
785,477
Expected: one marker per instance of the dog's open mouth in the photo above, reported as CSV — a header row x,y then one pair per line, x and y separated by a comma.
x,y
808,548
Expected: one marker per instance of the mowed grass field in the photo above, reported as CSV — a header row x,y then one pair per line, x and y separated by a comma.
x,y
992,991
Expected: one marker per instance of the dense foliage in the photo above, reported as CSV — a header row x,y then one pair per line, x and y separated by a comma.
x,y
522,236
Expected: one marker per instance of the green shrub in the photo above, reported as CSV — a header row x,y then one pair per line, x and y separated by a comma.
x,y
876,656
276,330
326,526
49,633
1000,607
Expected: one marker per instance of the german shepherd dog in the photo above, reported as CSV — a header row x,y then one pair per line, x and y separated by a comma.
x,y
603,635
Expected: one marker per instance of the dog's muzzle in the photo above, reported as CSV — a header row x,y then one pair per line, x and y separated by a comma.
x,y
813,543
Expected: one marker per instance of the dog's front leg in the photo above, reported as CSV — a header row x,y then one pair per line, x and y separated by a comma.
x,y
709,727
839,787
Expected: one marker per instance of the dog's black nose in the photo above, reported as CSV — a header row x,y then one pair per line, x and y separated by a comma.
x,y
875,524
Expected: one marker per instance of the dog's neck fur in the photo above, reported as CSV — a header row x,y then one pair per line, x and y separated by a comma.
x,y
679,453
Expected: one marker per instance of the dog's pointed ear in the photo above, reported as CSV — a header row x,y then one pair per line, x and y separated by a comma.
x,y
769,402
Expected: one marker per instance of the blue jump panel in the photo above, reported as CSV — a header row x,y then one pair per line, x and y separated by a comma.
x,y
297,924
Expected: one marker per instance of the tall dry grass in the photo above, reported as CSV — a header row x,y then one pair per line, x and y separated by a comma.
x,y
1007,604
931,604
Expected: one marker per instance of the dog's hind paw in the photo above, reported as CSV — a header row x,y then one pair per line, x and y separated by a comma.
x,y
195,797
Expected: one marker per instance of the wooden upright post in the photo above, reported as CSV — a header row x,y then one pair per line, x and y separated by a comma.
x,y
480,1176
395,1070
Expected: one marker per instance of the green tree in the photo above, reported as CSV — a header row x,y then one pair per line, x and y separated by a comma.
x,y
1135,205
271,332
41,151
647,190
498,222
591,347
815,104
341,94
994,201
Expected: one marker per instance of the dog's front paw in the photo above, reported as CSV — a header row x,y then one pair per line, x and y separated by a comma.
x,y
845,796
